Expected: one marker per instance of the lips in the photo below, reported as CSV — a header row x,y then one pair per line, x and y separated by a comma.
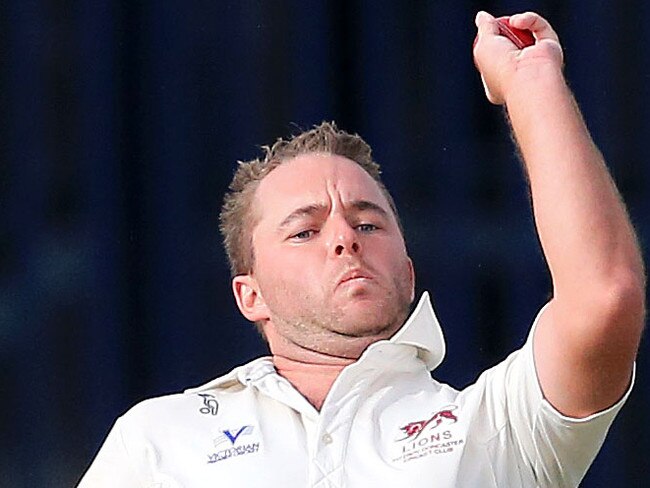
x,y
353,274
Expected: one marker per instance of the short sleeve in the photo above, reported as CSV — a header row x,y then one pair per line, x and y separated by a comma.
x,y
550,449
112,466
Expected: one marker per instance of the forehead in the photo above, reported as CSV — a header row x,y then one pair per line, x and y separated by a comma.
x,y
315,178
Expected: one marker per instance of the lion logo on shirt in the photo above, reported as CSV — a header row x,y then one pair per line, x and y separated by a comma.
x,y
412,430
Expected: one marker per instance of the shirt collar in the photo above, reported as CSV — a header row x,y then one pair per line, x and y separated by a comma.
x,y
422,330
238,376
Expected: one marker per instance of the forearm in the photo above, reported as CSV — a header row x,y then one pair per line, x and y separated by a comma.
x,y
587,338
583,227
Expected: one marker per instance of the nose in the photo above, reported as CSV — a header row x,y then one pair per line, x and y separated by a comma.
x,y
345,240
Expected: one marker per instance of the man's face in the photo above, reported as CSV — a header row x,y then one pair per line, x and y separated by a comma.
x,y
330,260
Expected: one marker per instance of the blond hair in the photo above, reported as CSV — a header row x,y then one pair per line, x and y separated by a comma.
x,y
237,219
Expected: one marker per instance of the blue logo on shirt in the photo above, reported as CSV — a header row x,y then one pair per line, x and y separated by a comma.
x,y
233,435
233,449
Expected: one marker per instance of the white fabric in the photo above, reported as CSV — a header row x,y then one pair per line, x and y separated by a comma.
x,y
385,422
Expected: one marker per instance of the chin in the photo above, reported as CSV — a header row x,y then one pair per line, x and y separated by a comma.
x,y
373,315
363,325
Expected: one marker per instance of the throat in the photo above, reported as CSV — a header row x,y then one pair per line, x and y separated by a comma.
x,y
312,379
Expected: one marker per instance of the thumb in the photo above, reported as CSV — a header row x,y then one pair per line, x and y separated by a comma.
x,y
486,23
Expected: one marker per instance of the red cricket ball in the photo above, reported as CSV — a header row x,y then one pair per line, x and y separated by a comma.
x,y
520,37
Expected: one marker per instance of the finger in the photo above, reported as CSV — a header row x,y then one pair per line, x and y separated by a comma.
x,y
486,24
540,27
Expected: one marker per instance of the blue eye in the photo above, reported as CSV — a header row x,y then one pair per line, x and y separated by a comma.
x,y
305,234
366,227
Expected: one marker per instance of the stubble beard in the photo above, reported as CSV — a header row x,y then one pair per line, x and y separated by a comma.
x,y
333,331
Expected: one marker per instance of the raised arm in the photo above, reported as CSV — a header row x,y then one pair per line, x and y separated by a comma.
x,y
587,339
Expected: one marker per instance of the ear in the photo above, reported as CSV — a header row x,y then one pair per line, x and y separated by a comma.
x,y
249,298
412,277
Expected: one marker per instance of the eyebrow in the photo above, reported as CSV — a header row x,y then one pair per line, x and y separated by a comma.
x,y
361,205
305,211
314,208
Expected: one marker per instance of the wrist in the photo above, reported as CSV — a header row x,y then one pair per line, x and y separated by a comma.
x,y
534,80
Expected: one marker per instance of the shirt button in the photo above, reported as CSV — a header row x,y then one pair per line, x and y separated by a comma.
x,y
327,439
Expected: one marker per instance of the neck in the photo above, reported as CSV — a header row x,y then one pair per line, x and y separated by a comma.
x,y
313,380
311,372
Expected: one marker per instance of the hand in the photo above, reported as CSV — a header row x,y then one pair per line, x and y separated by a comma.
x,y
503,66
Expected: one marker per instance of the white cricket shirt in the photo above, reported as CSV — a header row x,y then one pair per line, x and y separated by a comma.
x,y
384,423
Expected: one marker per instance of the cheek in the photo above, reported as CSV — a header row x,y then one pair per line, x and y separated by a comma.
x,y
288,269
392,255
398,265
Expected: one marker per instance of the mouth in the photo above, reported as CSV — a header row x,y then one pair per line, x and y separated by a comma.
x,y
354,276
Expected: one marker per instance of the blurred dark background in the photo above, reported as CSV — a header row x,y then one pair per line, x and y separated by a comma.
x,y
121,123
